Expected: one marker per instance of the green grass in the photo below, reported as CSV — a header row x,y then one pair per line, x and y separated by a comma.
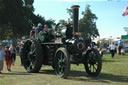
x,y
114,72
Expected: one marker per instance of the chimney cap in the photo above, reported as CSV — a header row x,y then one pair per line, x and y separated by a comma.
x,y
75,6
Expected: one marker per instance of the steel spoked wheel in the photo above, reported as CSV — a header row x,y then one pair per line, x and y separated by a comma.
x,y
32,56
62,63
93,62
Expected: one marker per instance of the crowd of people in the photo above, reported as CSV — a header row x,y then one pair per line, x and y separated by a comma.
x,y
114,47
9,55
36,30
119,48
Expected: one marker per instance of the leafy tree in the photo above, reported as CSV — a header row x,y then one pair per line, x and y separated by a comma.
x,y
50,22
17,17
70,12
62,21
37,19
61,25
28,2
12,16
87,24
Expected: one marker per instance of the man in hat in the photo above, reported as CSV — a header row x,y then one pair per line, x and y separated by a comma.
x,y
2,54
38,28
46,28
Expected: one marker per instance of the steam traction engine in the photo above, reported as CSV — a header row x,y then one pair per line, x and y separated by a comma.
x,y
60,55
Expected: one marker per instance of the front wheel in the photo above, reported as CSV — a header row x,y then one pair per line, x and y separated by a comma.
x,y
93,62
62,62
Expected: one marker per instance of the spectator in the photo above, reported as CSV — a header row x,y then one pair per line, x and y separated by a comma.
x,y
32,33
101,52
13,54
17,50
8,58
112,49
2,54
46,28
120,46
38,29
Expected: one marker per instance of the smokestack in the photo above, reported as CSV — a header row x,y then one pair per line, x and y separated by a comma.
x,y
75,9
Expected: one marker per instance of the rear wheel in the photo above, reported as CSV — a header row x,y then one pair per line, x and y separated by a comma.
x,y
32,56
62,62
93,62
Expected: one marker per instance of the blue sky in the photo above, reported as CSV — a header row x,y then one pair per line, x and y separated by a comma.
x,y
110,20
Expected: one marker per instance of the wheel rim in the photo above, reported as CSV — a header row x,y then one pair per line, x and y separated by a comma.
x,y
60,63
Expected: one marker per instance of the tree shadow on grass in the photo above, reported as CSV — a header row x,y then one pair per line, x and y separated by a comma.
x,y
108,61
83,76
50,72
103,77
16,73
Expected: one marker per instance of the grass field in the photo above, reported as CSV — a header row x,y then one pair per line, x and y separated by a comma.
x,y
114,72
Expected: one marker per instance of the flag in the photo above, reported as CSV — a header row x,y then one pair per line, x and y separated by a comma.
x,y
125,12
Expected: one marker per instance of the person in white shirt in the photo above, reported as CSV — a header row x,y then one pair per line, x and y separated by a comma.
x,y
112,49
2,54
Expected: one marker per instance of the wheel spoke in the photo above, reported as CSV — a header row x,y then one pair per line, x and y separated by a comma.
x,y
95,67
96,64
61,70
61,56
90,67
